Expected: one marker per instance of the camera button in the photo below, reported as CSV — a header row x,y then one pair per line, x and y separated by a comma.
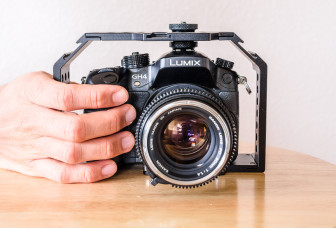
x,y
137,83
227,78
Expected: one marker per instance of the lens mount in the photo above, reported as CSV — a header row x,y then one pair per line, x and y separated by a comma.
x,y
186,139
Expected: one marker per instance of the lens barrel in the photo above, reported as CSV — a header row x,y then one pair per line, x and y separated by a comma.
x,y
186,137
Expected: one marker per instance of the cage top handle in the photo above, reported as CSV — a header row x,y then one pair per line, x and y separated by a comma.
x,y
61,69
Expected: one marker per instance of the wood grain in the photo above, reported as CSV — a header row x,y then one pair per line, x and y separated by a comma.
x,y
295,191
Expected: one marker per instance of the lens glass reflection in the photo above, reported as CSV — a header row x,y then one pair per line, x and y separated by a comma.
x,y
185,139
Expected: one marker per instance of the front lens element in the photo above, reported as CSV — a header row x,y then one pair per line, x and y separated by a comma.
x,y
185,138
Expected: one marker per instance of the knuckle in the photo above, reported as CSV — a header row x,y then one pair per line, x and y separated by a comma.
x,y
64,99
27,80
109,149
72,155
98,98
114,121
23,125
75,129
28,83
36,76
89,175
63,176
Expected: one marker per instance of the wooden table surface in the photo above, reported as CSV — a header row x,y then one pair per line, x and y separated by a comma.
x,y
295,191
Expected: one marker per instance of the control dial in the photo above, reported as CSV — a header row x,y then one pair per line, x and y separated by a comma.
x,y
135,60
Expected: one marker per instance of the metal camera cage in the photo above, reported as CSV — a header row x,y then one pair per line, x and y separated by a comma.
x,y
253,162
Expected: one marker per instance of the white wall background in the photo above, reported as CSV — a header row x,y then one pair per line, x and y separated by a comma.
x,y
296,38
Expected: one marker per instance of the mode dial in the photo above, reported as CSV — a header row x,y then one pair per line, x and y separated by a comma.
x,y
135,60
183,27
224,63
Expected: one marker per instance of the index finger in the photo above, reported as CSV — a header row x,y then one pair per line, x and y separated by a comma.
x,y
44,91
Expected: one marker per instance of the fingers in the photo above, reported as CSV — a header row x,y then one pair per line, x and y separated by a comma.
x,y
80,173
95,149
42,90
79,128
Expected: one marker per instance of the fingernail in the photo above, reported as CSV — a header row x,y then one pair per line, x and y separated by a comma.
x,y
127,142
130,115
120,96
108,170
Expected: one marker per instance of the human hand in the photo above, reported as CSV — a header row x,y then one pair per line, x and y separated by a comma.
x,y
38,140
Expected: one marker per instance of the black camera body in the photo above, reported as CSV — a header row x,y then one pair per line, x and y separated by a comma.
x,y
187,107
175,71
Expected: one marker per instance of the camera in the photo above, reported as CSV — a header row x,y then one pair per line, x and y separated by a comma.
x,y
187,105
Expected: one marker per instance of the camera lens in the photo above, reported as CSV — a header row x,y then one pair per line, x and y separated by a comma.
x,y
185,138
